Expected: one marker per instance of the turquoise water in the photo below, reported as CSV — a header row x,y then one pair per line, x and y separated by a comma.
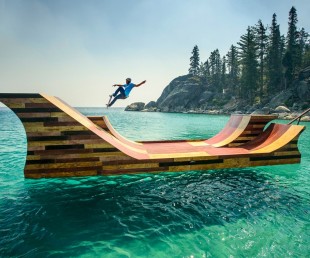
x,y
252,212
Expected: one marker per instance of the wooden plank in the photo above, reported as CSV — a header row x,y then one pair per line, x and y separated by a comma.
x,y
65,119
83,137
23,100
39,105
20,95
33,129
62,160
98,145
131,171
15,105
71,165
286,153
130,166
34,110
35,148
103,157
275,162
58,123
88,143
61,174
59,114
39,139
42,134
178,155
37,114
237,162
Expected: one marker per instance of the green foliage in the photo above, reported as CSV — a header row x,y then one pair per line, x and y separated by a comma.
x,y
306,58
194,61
287,63
261,41
215,70
218,102
257,100
196,79
293,53
204,72
289,102
248,60
292,34
274,58
303,49
264,63
233,69
223,73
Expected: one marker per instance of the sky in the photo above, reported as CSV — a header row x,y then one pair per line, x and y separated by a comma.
x,y
76,49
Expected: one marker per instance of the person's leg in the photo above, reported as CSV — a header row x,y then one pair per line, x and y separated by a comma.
x,y
119,96
119,90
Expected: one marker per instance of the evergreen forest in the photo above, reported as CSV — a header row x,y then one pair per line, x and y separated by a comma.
x,y
263,62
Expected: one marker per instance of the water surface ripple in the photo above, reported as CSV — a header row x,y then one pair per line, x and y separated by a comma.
x,y
250,212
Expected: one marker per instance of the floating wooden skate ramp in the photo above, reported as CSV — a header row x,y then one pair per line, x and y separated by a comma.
x,y
63,142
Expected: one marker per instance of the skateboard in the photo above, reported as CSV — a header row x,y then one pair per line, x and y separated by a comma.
x,y
111,96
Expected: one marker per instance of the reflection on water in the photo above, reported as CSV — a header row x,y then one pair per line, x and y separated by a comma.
x,y
240,212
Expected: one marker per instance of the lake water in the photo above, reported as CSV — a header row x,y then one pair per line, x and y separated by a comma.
x,y
250,212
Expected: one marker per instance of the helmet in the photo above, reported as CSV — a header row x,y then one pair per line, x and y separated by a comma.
x,y
128,79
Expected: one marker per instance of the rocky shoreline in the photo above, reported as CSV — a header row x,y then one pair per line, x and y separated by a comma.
x,y
188,94
281,111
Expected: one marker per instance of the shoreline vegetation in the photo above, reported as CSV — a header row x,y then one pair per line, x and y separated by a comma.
x,y
266,72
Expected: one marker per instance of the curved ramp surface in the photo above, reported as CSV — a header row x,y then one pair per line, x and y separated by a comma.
x,y
238,130
63,142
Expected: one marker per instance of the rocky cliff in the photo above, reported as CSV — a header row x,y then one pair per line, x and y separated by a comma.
x,y
191,95
182,94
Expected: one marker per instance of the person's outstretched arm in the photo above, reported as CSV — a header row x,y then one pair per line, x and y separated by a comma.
x,y
119,85
139,84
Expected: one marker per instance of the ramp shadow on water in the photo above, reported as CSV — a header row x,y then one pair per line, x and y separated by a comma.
x,y
125,208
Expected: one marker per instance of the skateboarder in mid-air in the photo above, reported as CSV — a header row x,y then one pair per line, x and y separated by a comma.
x,y
123,91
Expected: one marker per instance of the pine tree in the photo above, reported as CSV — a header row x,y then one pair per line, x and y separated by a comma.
x,y
215,70
292,30
248,59
306,55
223,74
290,60
274,58
194,61
233,69
207,69
261,39
302,47
204,72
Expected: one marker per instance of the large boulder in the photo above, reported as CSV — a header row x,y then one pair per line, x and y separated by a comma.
x,y
150,107
136,106
303,90
280,99
151,104
183,93
282,109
